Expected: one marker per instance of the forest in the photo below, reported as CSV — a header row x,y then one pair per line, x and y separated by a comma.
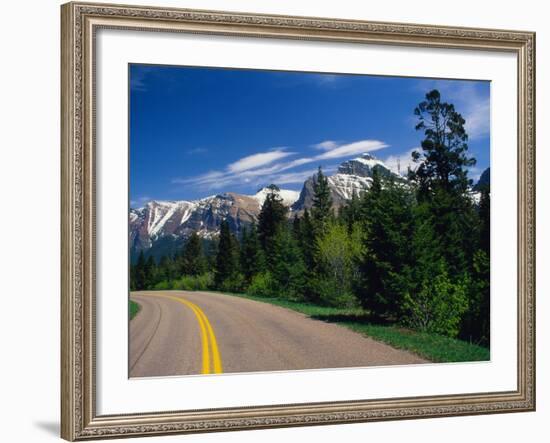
x,y
413,251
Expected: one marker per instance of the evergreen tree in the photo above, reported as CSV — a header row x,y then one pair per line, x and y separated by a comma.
x,y
476,325
306,240
271,217
321,210
288,268
193,259
227,259
351,212
166,268
386,264
485,220
444,161
252,258
442,180
140,273
296,227
150,273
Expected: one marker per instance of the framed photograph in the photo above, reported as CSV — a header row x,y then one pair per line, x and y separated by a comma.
x,y
277,221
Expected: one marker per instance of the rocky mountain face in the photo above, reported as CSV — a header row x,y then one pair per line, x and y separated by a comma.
x,y
161,224
484,180
352,176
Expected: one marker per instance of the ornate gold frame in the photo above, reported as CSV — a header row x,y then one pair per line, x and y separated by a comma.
x,y
79,420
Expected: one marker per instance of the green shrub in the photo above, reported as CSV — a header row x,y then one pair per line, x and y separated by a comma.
x,y
329,292
163,285
201,282
234,283
261,285
439,305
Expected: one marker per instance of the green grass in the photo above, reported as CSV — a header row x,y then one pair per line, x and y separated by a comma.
x,y
134,309
433,347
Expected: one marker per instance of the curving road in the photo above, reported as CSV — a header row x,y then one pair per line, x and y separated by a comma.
x,y
182,333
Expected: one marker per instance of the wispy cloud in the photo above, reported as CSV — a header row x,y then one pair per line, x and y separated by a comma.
x,y
257,160
273,165
354,148
327,145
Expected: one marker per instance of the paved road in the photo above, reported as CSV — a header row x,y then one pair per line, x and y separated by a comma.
x,y
180,333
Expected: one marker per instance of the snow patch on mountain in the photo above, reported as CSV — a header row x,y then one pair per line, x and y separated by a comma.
x,y
161,212
345,185
289,196
369,160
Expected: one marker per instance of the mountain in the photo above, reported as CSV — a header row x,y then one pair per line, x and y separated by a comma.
x,y
352,176
288,196
484,180
161,227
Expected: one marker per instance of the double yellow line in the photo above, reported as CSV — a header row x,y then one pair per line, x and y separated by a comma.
x,y
211,360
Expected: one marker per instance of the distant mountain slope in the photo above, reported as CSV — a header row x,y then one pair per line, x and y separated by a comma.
x,y
352,176
161,224
484,180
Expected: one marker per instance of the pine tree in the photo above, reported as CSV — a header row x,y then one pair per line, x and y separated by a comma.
x,y
306,240
271,217
296,227
150,273
351,212
442,180
227,259
321,210
485,220
444,161
386,264
140,272
252,258
165,268
193,259
288,268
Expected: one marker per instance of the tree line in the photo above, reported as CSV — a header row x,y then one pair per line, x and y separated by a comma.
x,y
412,252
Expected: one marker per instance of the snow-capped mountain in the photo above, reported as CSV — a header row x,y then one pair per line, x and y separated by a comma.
x,y
173,221
352,176
287,195
178,219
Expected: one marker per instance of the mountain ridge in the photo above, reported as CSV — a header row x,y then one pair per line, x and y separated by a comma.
x,y
162,219
173,221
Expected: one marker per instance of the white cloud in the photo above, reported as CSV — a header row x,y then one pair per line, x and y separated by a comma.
x,y
355,148
326,145
264,167
256,160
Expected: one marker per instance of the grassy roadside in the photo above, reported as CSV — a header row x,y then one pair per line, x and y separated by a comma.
x,y
433,347
134,309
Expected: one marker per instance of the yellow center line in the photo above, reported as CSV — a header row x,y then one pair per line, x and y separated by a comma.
x,y
208,338
216,359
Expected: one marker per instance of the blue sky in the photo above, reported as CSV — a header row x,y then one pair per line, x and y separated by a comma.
x,y
196,132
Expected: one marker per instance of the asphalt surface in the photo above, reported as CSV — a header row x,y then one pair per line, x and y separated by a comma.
x,y
182,333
